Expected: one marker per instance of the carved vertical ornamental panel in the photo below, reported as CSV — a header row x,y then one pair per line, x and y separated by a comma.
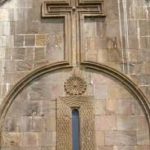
x,y
64,132
64,122
87,126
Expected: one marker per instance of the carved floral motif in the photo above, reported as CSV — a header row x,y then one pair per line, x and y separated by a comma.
x,y
75,86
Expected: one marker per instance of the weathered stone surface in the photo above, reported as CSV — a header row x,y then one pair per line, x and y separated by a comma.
x,y
128,107
100,107
31,139
41,40
118,121
125,148
121,40
23,66
126,123
111,106
120,138
142,137
45,139
30,40
105,148
39,54
146,147
19,53
99,138
12,139
19,41
105,123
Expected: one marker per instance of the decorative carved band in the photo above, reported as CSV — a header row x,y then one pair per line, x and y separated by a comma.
x,y
64,122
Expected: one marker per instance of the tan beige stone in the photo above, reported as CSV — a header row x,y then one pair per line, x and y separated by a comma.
x,y
49,124
11,139
120,138
31,139
143,137
126,123
121,40
41,40
99,138
48,139
111,106
125,107
145,147
125,148
106,122
100,107
142,123
105,148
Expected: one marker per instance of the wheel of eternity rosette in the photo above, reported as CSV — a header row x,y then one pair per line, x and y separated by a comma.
x,y
75,86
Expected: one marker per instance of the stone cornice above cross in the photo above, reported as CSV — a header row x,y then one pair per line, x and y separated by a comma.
x,y
74,13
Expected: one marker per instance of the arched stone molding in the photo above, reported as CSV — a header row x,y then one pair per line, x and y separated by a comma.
x,y
24,82
128,83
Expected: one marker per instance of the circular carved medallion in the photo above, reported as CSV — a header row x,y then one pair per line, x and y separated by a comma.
x,y
75,86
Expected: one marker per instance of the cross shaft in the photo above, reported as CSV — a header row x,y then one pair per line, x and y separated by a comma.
x,y
73,12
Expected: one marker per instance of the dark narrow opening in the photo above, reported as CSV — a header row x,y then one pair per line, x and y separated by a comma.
x,y
75,129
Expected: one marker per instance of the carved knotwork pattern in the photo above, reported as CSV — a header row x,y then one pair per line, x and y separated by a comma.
x,y
64,132
64,122
75,86
87,127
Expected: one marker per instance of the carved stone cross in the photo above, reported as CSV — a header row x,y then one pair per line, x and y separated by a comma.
x,y
73,12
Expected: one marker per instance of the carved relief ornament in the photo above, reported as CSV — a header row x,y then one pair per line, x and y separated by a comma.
x,y
75,86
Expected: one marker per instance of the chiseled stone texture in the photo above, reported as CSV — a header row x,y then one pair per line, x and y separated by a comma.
x,y
121,41
119,121
27,41
30,122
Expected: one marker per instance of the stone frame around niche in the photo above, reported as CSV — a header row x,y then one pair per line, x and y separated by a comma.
x,y
64,122
120,77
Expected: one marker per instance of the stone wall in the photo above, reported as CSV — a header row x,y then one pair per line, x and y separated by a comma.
x,y
28,42
30,122
121,41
